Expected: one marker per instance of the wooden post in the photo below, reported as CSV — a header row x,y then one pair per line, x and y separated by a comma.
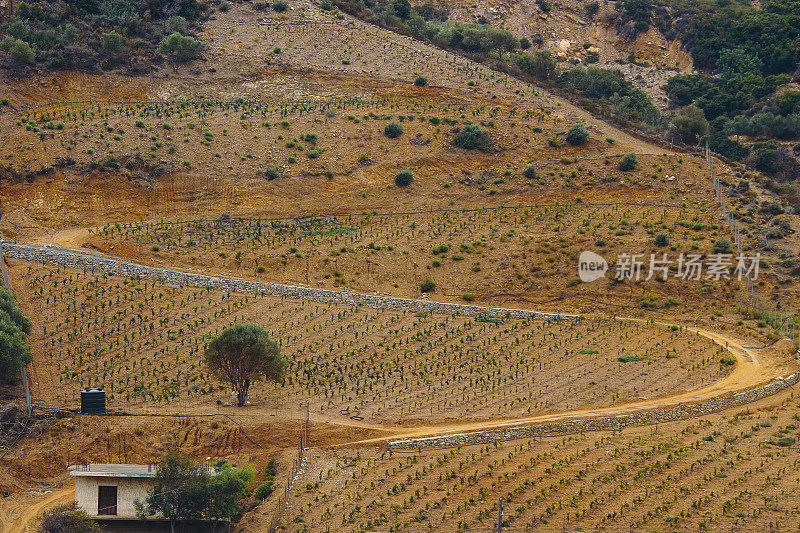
x,y
500,517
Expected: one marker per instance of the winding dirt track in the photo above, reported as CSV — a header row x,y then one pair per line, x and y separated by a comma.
x,y
750,371
29,511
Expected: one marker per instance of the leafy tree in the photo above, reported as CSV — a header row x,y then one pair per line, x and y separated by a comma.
x,y
540,64
684,89
243,354
404,178
690,125
577,134
14,330
789,103
393,130
186,491
67,519
472,137
228,488
19,50
401,9
180,48
182,491
9,307
738,62
720,143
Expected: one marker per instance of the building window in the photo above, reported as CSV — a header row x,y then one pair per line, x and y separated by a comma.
x,y
106,500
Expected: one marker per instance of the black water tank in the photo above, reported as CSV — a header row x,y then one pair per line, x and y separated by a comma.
x,y
93,400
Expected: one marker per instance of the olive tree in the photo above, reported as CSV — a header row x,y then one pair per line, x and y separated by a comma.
x,y
242,354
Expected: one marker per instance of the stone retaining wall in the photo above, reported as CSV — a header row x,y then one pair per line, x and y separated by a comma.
x,y
679,412
119,267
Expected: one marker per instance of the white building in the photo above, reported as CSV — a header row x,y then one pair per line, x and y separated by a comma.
x,y
109,490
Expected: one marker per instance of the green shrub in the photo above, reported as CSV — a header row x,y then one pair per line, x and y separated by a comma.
x,y
263,491
472,137
627,163
530,172
421,81
577,135
393,130
728,360
630,358
690,125
111,41
467,297
271,173
178,24
180,48
662,239
540,64
404,178
20,51
272,469
427,286
280,6
722,246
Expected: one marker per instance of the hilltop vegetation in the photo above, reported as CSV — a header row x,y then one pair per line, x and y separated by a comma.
x,y
92,34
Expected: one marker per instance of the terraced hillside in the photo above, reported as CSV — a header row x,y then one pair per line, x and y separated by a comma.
x,y
283,156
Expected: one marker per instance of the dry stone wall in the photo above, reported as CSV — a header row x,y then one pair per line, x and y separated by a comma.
x,y
679,412
114,266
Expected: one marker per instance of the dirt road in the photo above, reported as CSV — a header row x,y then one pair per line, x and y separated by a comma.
x,y
751,370
20,516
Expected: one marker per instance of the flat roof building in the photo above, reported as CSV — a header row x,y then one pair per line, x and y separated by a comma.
x,y
109,490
